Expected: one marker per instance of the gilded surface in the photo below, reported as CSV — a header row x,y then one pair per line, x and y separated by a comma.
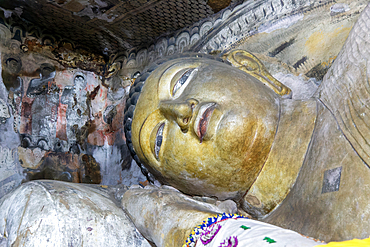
x,y
335,215
296,126
314,179
250,64
239,105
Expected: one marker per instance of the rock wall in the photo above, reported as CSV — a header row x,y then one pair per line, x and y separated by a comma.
x,y
57,122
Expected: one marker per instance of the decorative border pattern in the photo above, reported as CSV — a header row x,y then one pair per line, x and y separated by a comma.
x,y
218,33
204,228
224,31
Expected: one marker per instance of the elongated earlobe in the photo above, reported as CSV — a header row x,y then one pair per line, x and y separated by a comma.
x,y
250,64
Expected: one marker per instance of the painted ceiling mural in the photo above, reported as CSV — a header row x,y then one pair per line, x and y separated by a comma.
x,y
110,26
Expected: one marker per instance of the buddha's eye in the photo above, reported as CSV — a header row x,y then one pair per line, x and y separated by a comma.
x,y
183,81
158,140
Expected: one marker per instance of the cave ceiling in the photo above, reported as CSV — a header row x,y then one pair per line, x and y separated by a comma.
x,y
106,27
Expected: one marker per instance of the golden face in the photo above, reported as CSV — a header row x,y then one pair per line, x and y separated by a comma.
x,y
204,127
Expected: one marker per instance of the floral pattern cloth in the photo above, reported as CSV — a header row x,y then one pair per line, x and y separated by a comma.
x,y
237,231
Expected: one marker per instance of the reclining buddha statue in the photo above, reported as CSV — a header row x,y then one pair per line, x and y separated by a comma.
x,y
210,129
225,130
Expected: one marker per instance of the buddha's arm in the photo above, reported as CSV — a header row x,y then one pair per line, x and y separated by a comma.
x,y
345,89
165,216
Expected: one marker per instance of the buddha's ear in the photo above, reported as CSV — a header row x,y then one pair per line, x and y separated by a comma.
x,y
250,64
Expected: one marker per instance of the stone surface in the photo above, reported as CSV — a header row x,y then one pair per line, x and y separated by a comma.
x,y
339,142
166,217
10,169
304,35
52,213
228,206
59,123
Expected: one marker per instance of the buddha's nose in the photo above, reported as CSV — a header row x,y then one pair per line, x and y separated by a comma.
x,y
180,112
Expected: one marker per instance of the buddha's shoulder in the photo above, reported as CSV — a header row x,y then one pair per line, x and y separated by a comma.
x,y
329,145
332,186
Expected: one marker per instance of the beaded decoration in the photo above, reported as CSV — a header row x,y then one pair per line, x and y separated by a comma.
x,y
208,230
209,233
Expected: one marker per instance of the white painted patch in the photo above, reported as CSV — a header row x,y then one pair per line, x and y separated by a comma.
x,y
339,8
7,13
283,23
10,170
18,11
7,158
301,88
4,111
3,91
110,160
101,3
133,175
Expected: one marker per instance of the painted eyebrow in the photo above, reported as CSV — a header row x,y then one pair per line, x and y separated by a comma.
x,y
141,128
164,72
182,80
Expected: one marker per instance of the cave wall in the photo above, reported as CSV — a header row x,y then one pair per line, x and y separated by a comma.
x,y
59,123
61,106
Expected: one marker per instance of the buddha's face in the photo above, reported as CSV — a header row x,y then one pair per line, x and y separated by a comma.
x,y
204,127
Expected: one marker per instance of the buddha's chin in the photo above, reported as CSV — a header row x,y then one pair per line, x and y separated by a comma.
x,y
199,187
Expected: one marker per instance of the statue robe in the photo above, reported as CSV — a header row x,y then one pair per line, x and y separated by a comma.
x,y
330,198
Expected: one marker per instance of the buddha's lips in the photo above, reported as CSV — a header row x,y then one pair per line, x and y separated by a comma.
x,y
203,118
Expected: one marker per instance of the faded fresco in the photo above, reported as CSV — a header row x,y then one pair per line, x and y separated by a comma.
x,y
61,124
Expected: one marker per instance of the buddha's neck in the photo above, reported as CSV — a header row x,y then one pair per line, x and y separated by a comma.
x,y
280,171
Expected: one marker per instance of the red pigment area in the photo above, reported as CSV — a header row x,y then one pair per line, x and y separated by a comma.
x,y
203,123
